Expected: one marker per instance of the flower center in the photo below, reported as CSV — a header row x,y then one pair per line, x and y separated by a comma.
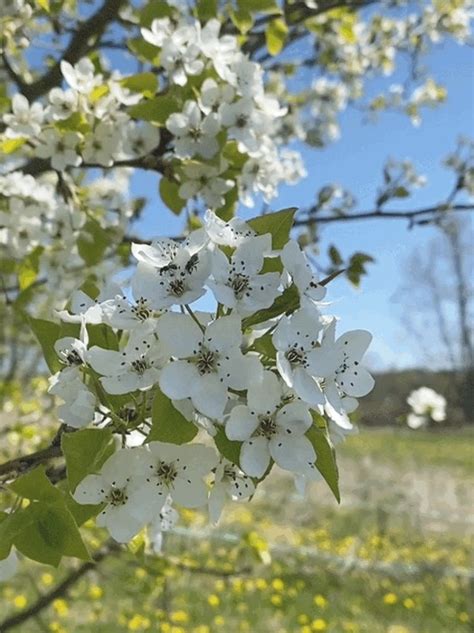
x,y
141,309
177,287
239,285
241,121
206,362
295,356
166,472
71,357
117,496
140,365
267,426
195,133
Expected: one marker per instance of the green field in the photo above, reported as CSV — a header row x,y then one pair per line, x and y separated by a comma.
x,y
393,558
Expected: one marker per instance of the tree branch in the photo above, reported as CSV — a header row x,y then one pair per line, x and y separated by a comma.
x,y
380,215
58,591
79,45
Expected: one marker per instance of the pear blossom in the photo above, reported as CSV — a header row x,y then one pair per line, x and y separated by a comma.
x,y
294,339
426,405
120,485
140,140
206,363
63,103
345,379
180,55
135,367
81,77
229,483
177,470
84,309
123,314
299,269
269,429
170,272
101,145
243,122
193,133
203,180
26,119
232,233
160,29
239,283
213,95
60,148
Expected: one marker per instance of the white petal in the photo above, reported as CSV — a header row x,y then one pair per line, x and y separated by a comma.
x,y
255,456
217,498
179,334
323,361
294,454
294,418
177,379
209,396
354,343
307,388
356,381
284,369
190,493
224,333
241,423
264,395
91,490
124,383
105,361
121,526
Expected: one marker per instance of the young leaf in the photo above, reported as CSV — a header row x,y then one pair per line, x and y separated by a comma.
x,y
92,242
275,35
288,301
168,424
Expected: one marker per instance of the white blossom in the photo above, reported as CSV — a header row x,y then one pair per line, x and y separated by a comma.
x,y
26,119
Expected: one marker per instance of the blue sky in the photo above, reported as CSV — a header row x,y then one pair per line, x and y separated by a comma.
x,y
355,162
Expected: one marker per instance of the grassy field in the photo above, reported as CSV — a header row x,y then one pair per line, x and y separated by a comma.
x,y
393,558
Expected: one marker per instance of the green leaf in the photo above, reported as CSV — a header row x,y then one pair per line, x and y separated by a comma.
x,y
264,345
143,50
168,424
92,242
279,224
288,301
154,10
146,83
228,448
401,192
103,336
169,195
275,35
259,6
29,267
36,486
156,110
85,452
206,9
335,256
81,512
47,334
356,267
49,532
227,211
233,156
326,456
10,524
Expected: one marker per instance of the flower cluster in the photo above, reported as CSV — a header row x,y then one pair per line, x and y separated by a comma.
x,y
257,373
426,406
